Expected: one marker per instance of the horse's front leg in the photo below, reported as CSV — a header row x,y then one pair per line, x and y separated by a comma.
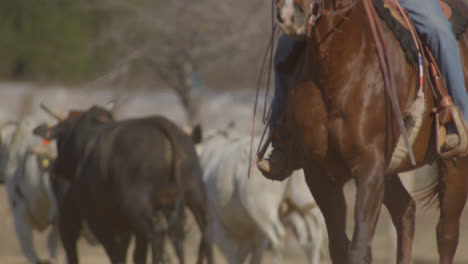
x,y
402,208
452,198
369,177
331,201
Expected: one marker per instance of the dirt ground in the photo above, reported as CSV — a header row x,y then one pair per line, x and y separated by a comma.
x,y
425,250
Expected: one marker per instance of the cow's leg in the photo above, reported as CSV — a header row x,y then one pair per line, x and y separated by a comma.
x,y
53,240
315,223
124,243
196,203
157,238
452,197
24,230
69,230
176,220
257,254
309,231
330,198
402,208
274,230
141,249
111,243
369,179
277,257
228,247
148,227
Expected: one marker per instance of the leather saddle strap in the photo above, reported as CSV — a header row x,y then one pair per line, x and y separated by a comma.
x,y
387,72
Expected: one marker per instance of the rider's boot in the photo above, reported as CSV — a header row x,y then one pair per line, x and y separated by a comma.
x,y
451,141
275,167
455,137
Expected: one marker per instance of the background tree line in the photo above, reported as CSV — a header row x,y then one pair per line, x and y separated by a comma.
x,y
134,43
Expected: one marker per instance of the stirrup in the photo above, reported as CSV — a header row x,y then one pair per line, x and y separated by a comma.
x,y
276,168
461,129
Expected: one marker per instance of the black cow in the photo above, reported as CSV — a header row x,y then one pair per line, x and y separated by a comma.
x,y
121,177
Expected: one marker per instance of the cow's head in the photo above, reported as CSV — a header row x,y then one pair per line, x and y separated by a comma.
x,y
71,134
95,115
66,131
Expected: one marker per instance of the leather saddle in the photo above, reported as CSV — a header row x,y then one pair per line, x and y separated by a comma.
x,y
445,112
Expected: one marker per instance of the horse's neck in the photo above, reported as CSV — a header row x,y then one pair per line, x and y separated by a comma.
x,y
337,30
346,18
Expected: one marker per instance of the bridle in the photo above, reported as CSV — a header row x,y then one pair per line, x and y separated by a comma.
x,y
316,11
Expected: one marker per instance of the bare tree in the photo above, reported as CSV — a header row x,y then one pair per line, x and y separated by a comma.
x,y
177,40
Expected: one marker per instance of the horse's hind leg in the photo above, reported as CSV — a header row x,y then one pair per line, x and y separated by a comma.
x,y
402,208
330,198
452,197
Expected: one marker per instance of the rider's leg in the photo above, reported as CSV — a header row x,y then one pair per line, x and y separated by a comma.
x,y
436,31
282,79
283,53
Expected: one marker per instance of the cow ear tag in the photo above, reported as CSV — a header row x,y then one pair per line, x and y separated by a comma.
x,y
45,163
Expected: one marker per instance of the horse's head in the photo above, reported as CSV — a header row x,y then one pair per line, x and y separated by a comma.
x,y
293,15
299,17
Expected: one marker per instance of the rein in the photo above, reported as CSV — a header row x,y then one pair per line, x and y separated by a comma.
x,y
316,11
387,72
268,51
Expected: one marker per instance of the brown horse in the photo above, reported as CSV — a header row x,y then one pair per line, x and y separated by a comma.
x,y
341,126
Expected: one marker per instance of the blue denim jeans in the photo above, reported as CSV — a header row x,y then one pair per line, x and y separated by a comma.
x,y
433,28
284,48
436,31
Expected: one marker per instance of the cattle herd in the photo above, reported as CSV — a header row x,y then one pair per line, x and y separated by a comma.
x,y
116,181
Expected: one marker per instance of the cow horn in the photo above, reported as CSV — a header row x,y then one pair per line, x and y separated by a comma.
x,y
50,112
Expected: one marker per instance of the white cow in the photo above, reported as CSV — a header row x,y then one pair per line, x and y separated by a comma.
x,y
28,186
245,212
